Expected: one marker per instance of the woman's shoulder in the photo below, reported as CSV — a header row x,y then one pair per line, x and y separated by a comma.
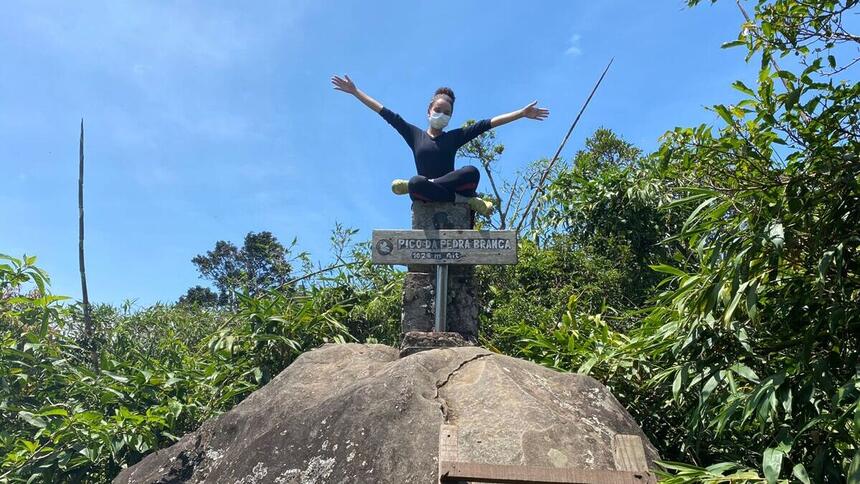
x,y
394,118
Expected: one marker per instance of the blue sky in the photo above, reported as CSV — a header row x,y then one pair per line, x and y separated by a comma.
x,y
207,120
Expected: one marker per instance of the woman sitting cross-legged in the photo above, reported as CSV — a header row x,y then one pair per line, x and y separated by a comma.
x,y
434,149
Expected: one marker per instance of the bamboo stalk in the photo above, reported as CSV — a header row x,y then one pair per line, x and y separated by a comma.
x,y
88,324
548,169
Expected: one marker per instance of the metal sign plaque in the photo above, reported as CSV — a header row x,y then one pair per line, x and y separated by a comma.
x,y
407,247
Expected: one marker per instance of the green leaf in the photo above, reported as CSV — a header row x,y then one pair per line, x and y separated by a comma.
x,y
853,476
586,367
680,377
734,43
174,407
30,445
53,411
744,371
698,195
171,381
791,99
115,376
43,329
752,300
710,385
696,211
680,466
147,375
725,114
89,416
727,317
777,235
112,391
722,467
771,464
667,269
91,453
740,86
33,419
824,264
800,473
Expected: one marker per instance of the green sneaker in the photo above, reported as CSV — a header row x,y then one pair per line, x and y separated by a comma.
x,y
400,187
481,206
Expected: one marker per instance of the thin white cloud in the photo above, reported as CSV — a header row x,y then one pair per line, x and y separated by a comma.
x,y
172,58
131,34
155,173
574,48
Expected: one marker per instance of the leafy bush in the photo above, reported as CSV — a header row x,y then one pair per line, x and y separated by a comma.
x,y
162,371
745,362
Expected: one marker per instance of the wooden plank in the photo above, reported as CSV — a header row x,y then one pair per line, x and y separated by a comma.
x,y
444,247
508,474
629,453
449,447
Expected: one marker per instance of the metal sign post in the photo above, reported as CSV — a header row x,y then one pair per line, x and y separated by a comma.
x,y
441,296
425,251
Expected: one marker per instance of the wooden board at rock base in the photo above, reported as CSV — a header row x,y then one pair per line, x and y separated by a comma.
x,y
407,247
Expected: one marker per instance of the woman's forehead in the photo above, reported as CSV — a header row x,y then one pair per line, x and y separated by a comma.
x,y
441,105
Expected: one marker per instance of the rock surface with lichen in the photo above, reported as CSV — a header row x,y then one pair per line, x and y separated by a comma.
x,y
356,413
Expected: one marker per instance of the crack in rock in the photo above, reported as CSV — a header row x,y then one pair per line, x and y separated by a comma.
x,y
443,405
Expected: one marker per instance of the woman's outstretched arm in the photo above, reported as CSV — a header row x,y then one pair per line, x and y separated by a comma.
x,y
405,129
346,85
531,111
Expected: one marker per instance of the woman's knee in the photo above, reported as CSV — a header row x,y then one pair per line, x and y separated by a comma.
x,y
471,172
416,181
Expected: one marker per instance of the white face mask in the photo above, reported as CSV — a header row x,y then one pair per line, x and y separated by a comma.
x,y
438,120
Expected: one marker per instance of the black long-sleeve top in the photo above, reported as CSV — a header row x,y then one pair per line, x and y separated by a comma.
x,y
434,157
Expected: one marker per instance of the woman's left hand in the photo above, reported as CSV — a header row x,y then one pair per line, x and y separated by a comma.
x,y
533,112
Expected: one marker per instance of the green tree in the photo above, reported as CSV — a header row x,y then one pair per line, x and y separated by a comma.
x,y
262,263
599,228
507,194
756,339
745,367
610,198
200,296
486,151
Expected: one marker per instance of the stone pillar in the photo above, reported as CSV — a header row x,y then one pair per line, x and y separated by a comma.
x,y
419,284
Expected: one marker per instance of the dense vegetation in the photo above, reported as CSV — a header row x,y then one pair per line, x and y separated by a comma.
x,y
713,285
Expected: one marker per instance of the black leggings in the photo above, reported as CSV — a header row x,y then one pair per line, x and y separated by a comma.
x,y
463,182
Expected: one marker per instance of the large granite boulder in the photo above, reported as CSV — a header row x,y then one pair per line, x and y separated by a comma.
x,y
356,413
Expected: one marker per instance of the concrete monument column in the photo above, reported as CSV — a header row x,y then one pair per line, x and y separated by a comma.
x,y
418,312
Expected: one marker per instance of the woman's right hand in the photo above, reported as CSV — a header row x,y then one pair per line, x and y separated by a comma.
x,y
344,84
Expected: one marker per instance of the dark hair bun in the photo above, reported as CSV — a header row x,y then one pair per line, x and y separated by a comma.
x,y
447,91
